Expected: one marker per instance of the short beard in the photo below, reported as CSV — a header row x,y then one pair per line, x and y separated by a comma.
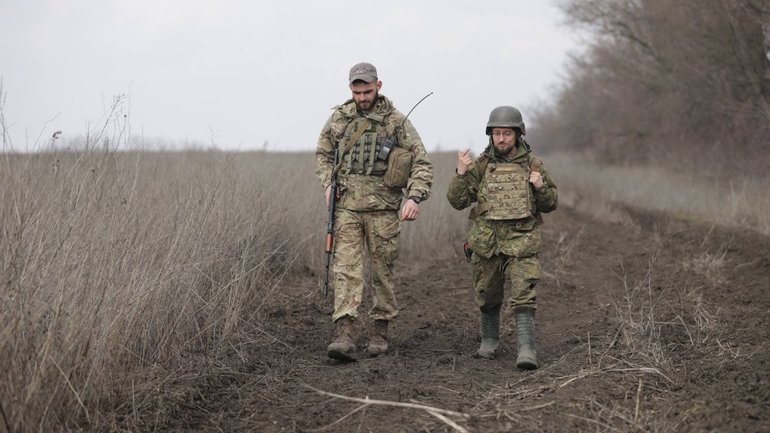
x,y
374,101
511,152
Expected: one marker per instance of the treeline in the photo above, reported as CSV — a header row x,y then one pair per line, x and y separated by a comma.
x,y
675,82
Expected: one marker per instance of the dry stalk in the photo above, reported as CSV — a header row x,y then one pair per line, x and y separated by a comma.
x,y
615,416
638,399
539,406
592,421
434,411
5,418
646,370
518,409
72,388
448,421
687,329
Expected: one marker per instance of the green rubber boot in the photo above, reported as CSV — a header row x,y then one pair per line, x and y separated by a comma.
x,y
490,334
525,329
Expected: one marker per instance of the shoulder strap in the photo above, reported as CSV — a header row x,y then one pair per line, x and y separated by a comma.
x,y
483,165
349,144
480,208
535,163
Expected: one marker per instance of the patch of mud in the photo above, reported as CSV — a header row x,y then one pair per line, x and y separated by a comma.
x,y
644,323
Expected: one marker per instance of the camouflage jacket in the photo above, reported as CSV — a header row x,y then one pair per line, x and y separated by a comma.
x,y
516,238
366,192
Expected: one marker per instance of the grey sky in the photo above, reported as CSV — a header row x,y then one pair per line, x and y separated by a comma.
x,y
245,72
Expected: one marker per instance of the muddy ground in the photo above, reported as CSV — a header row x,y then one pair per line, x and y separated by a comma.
x,y
645,323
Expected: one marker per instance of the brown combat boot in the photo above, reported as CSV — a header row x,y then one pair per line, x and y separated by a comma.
x,y
343,348
378,344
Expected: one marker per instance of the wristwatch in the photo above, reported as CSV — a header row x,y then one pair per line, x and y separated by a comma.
x,y
415,199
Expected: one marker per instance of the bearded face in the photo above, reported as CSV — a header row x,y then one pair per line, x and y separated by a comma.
x,y
505,141
365,94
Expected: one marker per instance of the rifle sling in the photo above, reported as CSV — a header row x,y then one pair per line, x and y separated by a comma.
x,y
350,143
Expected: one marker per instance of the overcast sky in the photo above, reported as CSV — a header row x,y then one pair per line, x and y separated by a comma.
x,y
241,73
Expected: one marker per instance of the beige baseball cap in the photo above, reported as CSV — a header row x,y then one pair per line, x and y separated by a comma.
x,y
363,71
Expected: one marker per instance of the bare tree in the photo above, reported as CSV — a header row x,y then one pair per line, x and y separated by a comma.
x,y
666,80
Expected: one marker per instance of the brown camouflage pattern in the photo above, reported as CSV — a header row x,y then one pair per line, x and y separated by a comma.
x,y
379,230
366,219
367,192
506,191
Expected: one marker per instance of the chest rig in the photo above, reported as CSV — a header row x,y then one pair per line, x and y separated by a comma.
x,y
504,193
362,158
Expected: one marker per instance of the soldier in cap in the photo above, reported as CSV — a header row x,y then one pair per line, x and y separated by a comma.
x,y
511,189
367,207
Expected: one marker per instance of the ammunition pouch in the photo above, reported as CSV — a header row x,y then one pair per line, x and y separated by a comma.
x,y
399,168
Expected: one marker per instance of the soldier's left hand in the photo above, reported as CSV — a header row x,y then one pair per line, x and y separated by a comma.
x,y
536,179
410,211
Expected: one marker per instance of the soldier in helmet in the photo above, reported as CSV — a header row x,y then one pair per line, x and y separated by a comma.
x,y
367,209
511,189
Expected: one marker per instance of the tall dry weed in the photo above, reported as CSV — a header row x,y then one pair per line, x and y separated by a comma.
x,y
436,233
118,265
602,190
118,261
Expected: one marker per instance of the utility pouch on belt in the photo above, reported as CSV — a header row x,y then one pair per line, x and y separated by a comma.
x,y
399,167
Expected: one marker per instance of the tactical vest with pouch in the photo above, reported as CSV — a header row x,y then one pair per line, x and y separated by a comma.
x,y
504,193
361,158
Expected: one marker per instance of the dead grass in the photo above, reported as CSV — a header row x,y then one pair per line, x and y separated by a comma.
x,y
651,320
434,235
563,256
115,262
127,271
598,189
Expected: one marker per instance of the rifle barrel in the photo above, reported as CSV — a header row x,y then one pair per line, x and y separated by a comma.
x,y
330,225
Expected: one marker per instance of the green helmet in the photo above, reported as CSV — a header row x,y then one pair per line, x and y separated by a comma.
x,y
505,117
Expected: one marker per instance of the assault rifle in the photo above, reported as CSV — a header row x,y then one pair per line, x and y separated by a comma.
x,y
330,224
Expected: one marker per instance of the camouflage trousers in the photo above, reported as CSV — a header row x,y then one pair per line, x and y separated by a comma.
x,y
489,278
373,232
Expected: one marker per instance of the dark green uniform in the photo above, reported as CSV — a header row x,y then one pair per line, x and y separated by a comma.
x,y
505,236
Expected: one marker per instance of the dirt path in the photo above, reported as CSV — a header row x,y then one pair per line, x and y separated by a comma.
x,y
649,325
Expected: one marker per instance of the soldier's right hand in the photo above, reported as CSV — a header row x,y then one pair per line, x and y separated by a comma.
x,y
464,160
328,194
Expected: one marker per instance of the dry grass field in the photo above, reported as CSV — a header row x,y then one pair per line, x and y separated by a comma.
x,y
112,262
152,291
736,200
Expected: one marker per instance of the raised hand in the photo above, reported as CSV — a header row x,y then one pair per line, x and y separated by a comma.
x,y
464,161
